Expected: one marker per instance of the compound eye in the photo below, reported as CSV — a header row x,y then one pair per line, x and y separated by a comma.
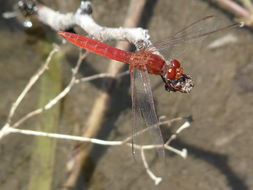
x,y
179,72
171,73
175,63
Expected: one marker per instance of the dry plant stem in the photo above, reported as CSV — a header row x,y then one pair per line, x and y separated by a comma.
x,y
246,16
100,107
55,100
9,130
65,137
96,141
5,130
101,75
233,7
180,129
248,5
31,82
182,153
156,179
167,122
82,18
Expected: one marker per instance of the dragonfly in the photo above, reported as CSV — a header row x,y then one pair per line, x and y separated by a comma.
x,y
148,61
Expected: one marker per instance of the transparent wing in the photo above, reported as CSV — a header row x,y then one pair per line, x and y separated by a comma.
x,y
144,114
195,31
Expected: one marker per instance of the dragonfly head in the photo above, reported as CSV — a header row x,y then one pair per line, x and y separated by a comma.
x,y
175,80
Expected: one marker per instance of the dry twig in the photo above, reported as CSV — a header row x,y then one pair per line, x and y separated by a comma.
x,y
244,13
141,148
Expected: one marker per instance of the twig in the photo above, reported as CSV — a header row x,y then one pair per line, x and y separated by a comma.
x,y
245,13
233,7
101,75
167,122
62,136
31,82
5,129
156,179
8,130
55,100
184,126
248,5
82,17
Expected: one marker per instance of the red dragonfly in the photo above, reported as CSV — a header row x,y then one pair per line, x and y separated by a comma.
x,y
148,61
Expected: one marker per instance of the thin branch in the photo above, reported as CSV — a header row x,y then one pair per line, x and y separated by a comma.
x,y
183,153
62,136
248,5
156,179
181,128
101,75
234,7
31,82
82,17
244,14
55,100
7,130
166,122
186,125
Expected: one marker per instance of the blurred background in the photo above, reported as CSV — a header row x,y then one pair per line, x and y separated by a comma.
x,y
219,141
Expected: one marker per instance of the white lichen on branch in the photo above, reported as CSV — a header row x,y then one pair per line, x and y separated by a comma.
x,y
82,18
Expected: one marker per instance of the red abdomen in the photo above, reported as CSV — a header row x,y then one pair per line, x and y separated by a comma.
x,y
97,47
